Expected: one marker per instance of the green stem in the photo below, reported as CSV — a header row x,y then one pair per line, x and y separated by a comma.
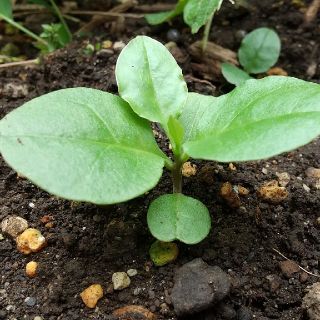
x,y
61,18
207,33
23,29
177,176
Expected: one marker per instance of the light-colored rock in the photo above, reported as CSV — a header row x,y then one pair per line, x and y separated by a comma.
x,y
31,240
31,269
189,169
13,226
132,272
37,318
120,280
284,178
92,295
313,173
311,301
1,237
271,191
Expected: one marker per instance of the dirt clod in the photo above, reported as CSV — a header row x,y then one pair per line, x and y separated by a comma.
x,y
271,191
289,268
311,302
31,240
31,269
13,226
134,312
230,195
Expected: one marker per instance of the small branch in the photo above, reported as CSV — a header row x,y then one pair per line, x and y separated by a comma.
x,y
155,7
19,63
306,271
312,11
106,14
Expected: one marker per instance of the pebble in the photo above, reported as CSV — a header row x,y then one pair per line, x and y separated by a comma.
x,y
173,35
208,285
91,295
289,268
240,34
311,301
284,178
313,173
305,187
120,280
31,240
244,314
13,226
118,45
1,237
37,318
189,169
230,195
30,301
132,272
31,269
272,192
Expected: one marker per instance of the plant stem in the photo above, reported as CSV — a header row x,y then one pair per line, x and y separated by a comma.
x,y
23,29
177,176
207,33
61,18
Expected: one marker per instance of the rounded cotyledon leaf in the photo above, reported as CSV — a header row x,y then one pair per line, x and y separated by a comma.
x,y
178,217
150,80
82,144
257,120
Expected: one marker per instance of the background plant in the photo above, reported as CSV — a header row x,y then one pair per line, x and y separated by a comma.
x,y
259,51
87,145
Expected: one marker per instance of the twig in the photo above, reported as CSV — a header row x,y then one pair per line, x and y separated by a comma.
x,y
306,271
19,63
312,11
107,14
154,7
190,77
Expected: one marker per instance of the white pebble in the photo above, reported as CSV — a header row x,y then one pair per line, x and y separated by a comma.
x,y
132,272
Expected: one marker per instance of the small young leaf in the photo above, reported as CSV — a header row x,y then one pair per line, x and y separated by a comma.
x,y
259,50
197,12
6,8
150,80
160,17
178,217
176,132
259,119
233,74
82,144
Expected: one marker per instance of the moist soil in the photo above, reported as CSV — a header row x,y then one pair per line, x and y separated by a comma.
x,y
88,243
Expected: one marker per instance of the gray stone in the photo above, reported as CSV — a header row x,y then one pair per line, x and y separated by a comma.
x,y
13,226
311,301
120,280
30,301
198,286
244,314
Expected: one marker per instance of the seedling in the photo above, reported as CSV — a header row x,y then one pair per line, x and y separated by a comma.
x,y
259,51
88,145
53,37
196,14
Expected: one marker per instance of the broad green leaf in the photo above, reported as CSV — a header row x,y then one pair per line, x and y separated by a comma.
x,y
150,80
259,119
160,17
178,217
6,9
197,12
233,74
82,144
259,50
176,133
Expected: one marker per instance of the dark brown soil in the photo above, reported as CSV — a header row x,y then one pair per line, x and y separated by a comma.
x,y
87,244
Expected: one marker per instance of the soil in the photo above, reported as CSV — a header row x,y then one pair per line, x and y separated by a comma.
x,y
87,243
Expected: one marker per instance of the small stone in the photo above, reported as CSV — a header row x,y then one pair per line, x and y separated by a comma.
x,y
274,282
134,312
173,35
31,240
244,314
118,45
306,188
37,318
31,269
240,34
1,237
132,272
318,221
289,268
30,301
272,192
230,195
13,226
232,167
162,253
311,301
313,173
46,218
107,44
189,169
207,284
242,191
120,280
303,277
277,71
264,170
284,178
92,295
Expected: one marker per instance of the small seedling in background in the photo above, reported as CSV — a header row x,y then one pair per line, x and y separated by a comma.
x,y
88,145
53,37
196,14
259,51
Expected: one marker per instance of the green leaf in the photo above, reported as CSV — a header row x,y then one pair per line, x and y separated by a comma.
x,y
160,17
259,50
6,9
176,133
178,217
82,144
150,80
162,253
197,12
233,74
259,119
